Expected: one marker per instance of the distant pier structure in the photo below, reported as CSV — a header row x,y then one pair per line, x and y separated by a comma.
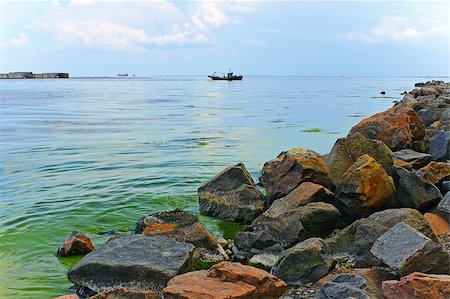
x,y
30,75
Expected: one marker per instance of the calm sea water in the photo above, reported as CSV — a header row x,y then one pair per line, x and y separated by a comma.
x,y
96,154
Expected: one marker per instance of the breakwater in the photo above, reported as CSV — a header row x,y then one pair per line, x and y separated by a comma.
x,y
30,75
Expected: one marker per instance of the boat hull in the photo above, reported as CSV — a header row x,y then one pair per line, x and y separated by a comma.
x,y
215,78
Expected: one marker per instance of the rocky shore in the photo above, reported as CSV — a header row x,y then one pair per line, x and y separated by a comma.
x,y
30,75
370,219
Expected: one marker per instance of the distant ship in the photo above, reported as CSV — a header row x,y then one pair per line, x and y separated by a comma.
x,y
228,77
123,75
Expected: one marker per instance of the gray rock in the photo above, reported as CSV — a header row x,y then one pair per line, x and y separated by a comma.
x,y
178,217
445,186
303,263
439,146
405,250
443,208
133,262
355,241
414,190
231,195
434,112
349,286
347,150
416,159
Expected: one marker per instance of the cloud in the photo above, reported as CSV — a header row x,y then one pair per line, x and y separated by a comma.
x,y
396,29
19,40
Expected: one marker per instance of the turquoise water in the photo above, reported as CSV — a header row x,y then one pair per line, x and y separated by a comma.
x,y
96,154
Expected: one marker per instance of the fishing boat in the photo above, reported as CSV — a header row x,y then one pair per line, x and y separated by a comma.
x,y
123,75
228,77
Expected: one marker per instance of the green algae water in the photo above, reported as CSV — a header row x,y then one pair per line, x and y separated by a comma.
x,y
96,154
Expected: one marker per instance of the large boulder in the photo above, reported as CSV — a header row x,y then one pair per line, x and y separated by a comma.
x,y
434,111
133,262
349,285
405,250
355,241
439,146
414,190
347,150
225,281
303,263
443,208
231,195
398,127
436,172
419,286
76,244
283,174
414,158
364,188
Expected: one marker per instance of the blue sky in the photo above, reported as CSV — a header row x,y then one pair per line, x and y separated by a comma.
x,y
100,38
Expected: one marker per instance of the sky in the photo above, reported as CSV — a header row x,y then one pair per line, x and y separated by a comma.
x,y
162,37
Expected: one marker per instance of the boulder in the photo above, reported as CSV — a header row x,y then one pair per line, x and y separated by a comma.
x,y
398,127
77,244
348,285
347,150
414,190
283,174
406,250
443,208
364,188
424,91
434,112
416,159
303,263
355,241
438,224
223,281
231,195
419,286
177,217
122,293
439,146
436,172
133,262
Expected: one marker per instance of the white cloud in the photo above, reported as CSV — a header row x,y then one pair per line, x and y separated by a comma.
x,y
397,29
19,40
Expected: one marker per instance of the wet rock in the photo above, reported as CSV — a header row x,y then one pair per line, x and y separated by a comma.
x,y
122,293
303,263
133,262
416,159
177,217
355,241
443,208
438,224
436,172
419,286
439,146
349,285
77,244
71,296
347,150
406,250
365,188
283,174
414,190
225,280
231,195
398,127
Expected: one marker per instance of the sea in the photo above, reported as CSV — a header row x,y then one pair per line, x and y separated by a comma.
x,y
96,154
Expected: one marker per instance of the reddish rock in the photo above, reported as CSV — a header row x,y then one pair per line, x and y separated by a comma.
x,y
403,164
225,280
157,228
438,224
398,127
122,293
436,171
77,244
419,286
71,296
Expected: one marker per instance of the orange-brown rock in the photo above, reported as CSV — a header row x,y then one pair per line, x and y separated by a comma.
x,y
436,171
71,296
438,224
398,127
77,244
419,286
225,280
122,293
157,228
403,164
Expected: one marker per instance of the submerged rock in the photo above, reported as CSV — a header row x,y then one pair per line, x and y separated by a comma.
x,y
419,286
133,262
231,195
77,244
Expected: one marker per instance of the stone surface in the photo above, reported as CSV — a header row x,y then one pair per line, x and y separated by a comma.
x,y
398,127
223,281
283,174
355,241
414,190
436,172
418,286
438,224
416,159
231,195
443,208
133,262
176,217
347,150
348,285
406,250
303,263
71,296
77,244
122,293
364,188
439,146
